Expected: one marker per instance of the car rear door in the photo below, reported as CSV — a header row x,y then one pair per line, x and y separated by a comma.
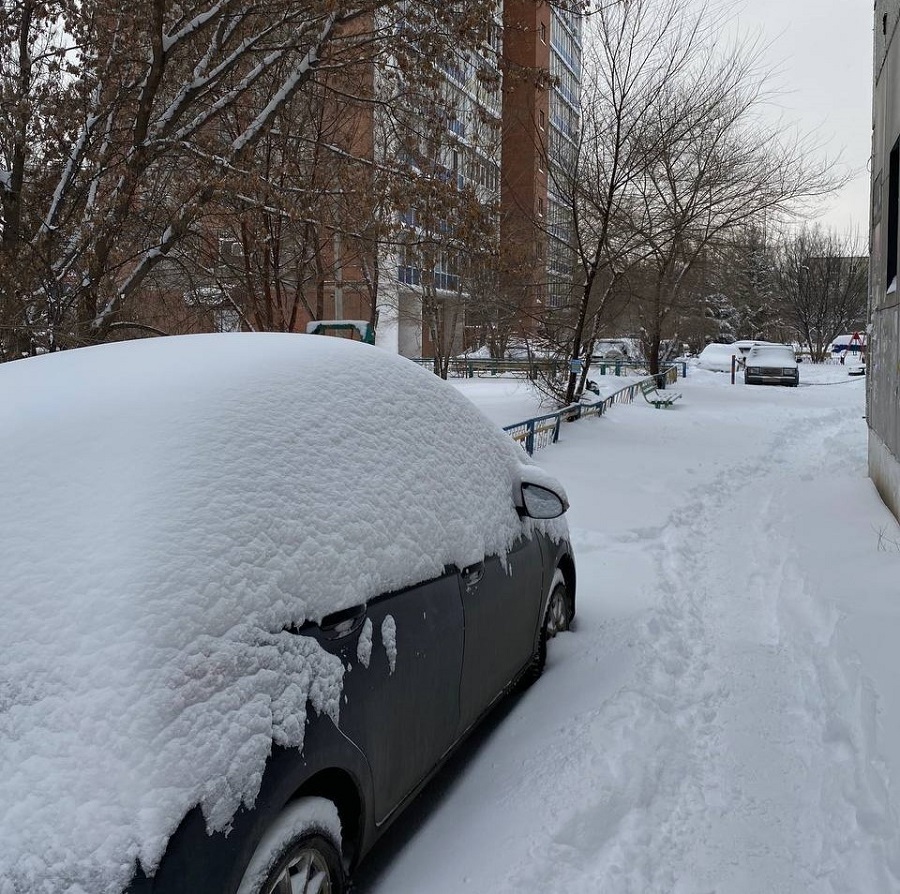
x,y
403,657
502,611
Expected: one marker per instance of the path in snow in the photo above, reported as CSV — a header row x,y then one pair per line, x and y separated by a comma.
x,y
706,728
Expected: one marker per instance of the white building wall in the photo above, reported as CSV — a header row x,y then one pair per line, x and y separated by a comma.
x,y
469,152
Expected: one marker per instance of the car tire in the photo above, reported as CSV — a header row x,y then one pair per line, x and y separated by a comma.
x,y
557,618
300,853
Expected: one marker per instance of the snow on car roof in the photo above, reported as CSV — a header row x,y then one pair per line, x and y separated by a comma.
x,y
772,350
169,507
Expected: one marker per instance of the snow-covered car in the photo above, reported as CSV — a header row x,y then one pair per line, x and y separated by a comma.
x,y
717,357
612,349
771,364
250,607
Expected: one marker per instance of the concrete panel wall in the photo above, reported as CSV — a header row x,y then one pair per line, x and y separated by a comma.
x,y
883,394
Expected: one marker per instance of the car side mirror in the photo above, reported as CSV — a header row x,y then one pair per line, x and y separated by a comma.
x,y
541,502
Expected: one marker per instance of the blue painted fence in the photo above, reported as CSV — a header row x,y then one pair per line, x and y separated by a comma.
x,y
542,431
461,367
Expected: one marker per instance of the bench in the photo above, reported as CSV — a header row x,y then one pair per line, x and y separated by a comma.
x,y
653,395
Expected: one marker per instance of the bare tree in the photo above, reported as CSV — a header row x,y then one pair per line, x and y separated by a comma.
x,y
277,236
441,133
739,296
674,158
118,131
720,167
633,51
823,286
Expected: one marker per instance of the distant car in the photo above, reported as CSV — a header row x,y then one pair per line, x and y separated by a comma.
x,y
771,364
250,608
717,357
611,349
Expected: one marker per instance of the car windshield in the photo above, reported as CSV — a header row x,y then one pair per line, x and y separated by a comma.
x,y
782,355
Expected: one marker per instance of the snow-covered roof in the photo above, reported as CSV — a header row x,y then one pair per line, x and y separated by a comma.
x,y
841,341
169,507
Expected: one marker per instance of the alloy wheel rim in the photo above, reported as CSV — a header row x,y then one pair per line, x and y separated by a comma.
x,y
556,620
306,873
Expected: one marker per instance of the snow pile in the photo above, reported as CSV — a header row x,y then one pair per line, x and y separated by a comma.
x,y
170,507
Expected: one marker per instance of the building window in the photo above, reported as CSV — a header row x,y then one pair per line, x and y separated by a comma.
x,y
554,296
540,207
893,217
230,249
444,278
541,119
408,271
543,31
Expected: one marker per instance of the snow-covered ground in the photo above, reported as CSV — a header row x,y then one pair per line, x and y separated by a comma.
x,y
726,716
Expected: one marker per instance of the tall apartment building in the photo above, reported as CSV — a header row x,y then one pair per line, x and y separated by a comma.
x,y
449,144
565,127
505,128
883,349
541,125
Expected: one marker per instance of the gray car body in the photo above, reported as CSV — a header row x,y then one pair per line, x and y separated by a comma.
x,y
464,640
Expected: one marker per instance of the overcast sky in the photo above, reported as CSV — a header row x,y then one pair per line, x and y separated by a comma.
x,y
824,51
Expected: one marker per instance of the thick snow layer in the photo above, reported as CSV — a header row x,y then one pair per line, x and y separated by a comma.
x,y
170,507
772,356
717,358
726,715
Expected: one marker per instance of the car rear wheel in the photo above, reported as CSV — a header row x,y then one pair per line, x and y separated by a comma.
x,y
557,618
299,854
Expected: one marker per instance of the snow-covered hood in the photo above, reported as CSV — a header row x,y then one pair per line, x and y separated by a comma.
x,y
169,507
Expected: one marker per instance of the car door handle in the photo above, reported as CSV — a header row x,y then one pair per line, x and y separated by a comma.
x,y
473,574
343,623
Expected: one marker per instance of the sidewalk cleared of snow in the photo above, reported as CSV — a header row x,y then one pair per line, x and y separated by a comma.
x,y
726,716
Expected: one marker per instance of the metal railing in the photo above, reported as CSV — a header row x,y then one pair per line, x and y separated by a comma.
x,y
464,368
542,431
